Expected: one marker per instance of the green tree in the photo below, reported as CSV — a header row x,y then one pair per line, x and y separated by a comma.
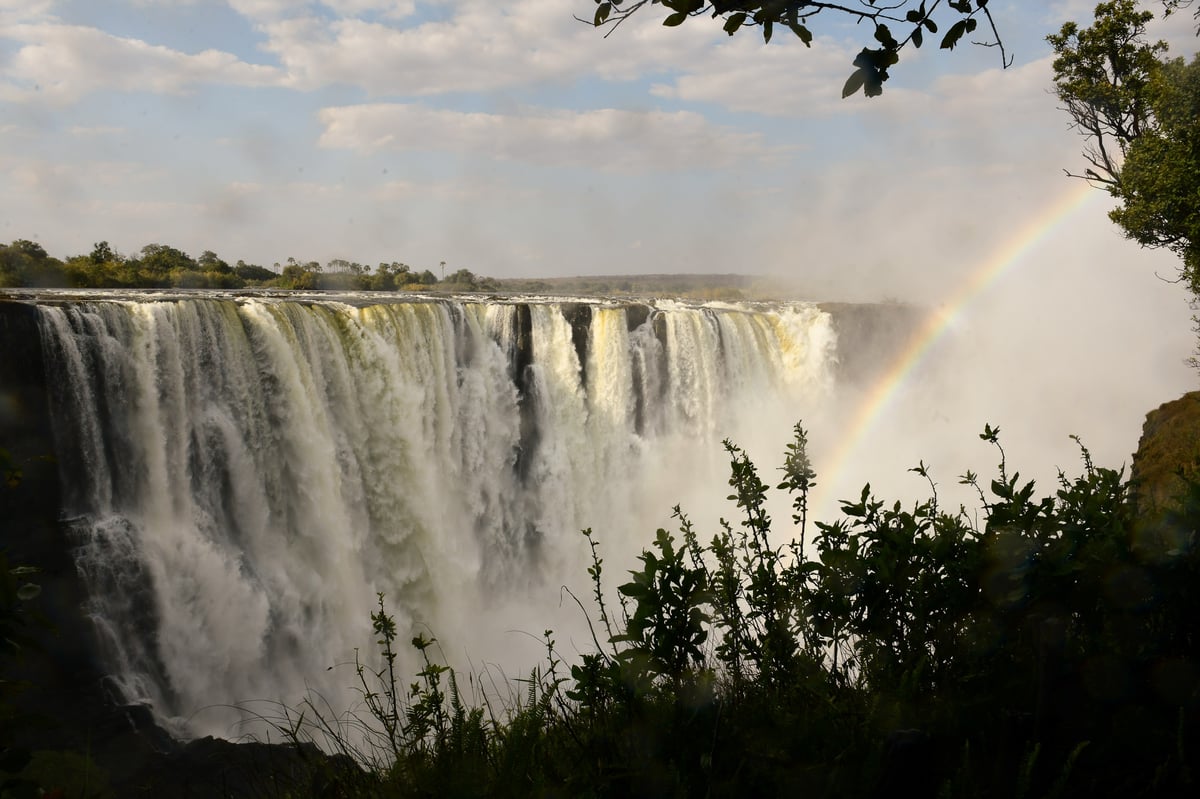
x,y
1161,175
13,267
30,248
103,253
462,277
1139,116
342,266
911,20
254,272
102,268
162,265
299,276
389,277
343,275
209,262
1102,76
25,263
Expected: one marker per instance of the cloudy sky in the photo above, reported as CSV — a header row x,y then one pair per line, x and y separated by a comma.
x,y
513,140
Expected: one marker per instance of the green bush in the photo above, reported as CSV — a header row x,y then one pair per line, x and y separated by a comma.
x,y
903,651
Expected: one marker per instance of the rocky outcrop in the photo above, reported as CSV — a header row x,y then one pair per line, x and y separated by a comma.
x,y
63,667
870,336
80,738
1168,454
1165,480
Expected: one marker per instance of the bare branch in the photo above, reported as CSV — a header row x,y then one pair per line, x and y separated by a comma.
x,y
1005,60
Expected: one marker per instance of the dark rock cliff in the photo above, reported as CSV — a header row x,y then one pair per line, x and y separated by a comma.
x,y
870,336
1168,454
67,717
1164,479
29,510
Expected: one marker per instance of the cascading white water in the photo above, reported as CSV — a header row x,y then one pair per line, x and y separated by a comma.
x,y
245,474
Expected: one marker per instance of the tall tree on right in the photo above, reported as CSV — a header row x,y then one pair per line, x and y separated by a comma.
x,y
1140,115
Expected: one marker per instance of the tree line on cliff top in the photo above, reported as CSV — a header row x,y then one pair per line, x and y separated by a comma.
x,y
25,263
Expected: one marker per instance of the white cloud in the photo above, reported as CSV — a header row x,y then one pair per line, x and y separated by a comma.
x,y
607,139
144,209
96,130
63,177
16,11
395,9
262,9
450,191
268,10
62,63
311,189
482,47
42,177
992,96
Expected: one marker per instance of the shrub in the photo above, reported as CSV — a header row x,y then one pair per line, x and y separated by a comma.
x,y
906,651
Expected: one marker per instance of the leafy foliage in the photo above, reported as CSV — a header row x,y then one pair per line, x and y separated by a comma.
x,y
912,21
1047,651
1160,180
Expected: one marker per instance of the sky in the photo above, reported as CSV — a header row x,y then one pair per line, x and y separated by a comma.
x,y
513,140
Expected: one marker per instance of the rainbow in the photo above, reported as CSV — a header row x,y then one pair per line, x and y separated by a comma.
x,y
877,398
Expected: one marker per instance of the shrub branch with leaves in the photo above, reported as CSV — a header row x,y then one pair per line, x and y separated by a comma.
x,y
1046,651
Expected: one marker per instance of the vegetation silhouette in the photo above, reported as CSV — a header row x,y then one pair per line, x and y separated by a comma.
x,y
912,20
1046,650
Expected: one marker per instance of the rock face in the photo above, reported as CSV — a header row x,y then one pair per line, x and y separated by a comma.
x,y
1165,480
68,719
65,699
875,333
62,670
1168,453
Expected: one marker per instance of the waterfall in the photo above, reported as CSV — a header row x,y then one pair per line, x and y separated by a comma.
x,y
243,474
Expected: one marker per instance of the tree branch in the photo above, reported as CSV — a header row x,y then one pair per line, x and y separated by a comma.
x,y
872,62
